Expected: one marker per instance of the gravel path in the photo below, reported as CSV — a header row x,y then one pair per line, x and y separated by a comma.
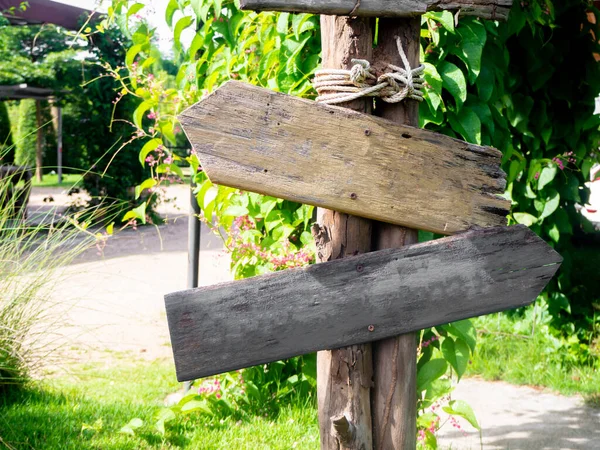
x,y
116,305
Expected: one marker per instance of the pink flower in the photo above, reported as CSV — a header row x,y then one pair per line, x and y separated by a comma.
x,y
152,115
537,175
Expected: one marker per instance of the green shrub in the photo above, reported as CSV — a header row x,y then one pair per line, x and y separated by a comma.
x,y
26,139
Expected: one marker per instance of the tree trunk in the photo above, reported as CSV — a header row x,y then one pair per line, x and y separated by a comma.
x,y
395,360
344,375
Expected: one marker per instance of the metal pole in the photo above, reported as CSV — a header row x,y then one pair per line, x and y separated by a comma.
x,y
193,251
193,240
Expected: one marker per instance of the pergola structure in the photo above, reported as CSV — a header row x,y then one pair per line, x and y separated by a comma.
x,y
23,91
41,12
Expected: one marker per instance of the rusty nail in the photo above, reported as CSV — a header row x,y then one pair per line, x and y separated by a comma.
x,y
367,132
353,196
359,268
371,328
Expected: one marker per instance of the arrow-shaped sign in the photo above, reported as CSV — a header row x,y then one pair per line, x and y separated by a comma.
x,y
262,141
355,300
488,9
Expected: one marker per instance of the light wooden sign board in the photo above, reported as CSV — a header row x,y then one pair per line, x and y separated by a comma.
x,y
487,9
355,300
262,141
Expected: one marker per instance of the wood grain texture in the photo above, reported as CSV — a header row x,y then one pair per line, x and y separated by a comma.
x,y
262,141
488,9
394,393
344,375
354,300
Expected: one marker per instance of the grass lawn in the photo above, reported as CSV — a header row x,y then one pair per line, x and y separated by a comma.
x,y
530,360
88,411
69,180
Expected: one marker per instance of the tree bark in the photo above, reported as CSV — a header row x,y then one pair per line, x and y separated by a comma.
x,y
344,375
394,360
38,142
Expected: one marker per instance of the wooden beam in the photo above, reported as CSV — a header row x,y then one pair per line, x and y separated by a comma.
x,y
344,375
354,300
394,393
487,9
258,140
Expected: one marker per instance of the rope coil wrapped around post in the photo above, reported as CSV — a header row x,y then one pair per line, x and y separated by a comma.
x,y
336,86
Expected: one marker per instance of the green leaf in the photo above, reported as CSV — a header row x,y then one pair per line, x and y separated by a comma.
x,y
546,176
464,330
554,233
445,18
454,82
467,124
132,426
135,8
176,170
235,211
431,371
196,405
149,146
140,111
172,7
132,53
147,184
433,94
457,354
181,25
485,82
551,205
282,23
462,409
138,213
524,218
473,38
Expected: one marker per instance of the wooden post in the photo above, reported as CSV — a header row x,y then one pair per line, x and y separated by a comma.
x,y
38,142
344,375
395,360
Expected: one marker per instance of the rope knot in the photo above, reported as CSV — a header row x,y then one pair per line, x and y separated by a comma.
x,y
360,71
341,86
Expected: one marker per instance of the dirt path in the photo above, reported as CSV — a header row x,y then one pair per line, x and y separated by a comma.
x,y
113,300
117,306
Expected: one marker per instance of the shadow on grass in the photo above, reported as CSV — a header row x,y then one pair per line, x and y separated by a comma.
x,y
43,419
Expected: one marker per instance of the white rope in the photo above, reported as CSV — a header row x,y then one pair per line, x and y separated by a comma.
x,y
336,86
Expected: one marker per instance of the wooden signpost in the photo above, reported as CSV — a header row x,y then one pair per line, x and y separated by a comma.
x,y
263,141
355,300
389,175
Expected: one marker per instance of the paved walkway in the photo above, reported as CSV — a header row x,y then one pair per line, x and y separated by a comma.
x,y
115,304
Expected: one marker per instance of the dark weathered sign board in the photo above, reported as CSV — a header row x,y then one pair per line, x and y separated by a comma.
x,y
488,9
258,140
355,300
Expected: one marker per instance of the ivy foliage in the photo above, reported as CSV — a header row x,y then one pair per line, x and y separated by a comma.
x,y
527,87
